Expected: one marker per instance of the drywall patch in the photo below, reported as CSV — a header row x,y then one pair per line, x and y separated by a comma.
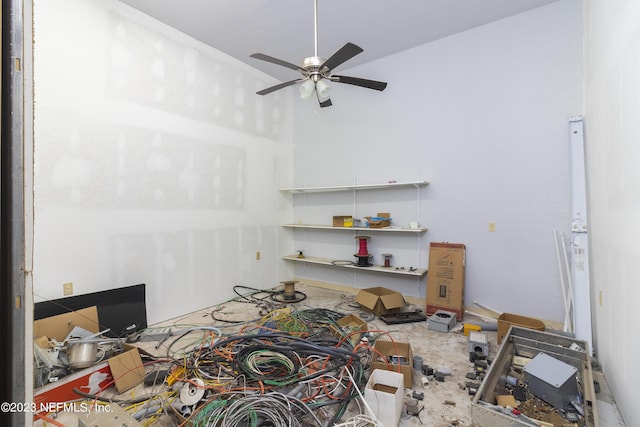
x,y
163,71
96,165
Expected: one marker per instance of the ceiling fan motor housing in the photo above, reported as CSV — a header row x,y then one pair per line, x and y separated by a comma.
x,y
313,66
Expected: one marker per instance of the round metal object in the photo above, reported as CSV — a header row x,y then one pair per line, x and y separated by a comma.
x,y
312,62
82,355
192,392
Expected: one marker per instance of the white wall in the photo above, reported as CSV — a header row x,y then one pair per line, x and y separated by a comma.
x,y
155,162
482,115
612,91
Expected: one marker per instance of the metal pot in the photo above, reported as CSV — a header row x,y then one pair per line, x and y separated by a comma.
x,y
82,355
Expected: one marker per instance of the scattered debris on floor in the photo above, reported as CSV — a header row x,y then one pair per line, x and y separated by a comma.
x,y
537,379
273,358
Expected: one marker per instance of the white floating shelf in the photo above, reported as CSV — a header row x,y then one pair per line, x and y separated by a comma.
x,y
367,229
374,268
355,187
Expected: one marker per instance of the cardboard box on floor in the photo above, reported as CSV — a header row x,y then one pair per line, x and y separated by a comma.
x,y
380,300
350,325
506,320
399,350
125,369
445,278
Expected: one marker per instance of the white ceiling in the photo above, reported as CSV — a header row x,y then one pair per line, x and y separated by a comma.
x,y
285,28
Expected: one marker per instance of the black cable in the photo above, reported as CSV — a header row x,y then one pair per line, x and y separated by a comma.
x,y
285,361
109,400
214,318
278,296
282,296
254,291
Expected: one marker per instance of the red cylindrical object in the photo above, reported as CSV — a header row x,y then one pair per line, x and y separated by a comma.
x,y
362,251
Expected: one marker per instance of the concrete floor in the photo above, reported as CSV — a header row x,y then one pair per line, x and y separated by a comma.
x,y
448,351
445,403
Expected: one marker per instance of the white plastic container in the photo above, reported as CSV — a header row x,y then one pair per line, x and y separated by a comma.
x,y
384,394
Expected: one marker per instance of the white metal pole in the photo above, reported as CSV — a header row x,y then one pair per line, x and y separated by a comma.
x,y
315,26
579,233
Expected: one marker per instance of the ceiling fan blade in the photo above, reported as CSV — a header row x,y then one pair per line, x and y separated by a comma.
x,y
325,103
277,61
370,84
278,86
343,54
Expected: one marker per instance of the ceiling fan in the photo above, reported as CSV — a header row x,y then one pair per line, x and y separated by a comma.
x,y
316,71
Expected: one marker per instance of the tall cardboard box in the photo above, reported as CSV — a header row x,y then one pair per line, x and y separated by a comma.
x,y
445,278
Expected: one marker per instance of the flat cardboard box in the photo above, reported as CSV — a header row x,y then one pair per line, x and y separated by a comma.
x,y
384,395
380,300
506,320
379,223
58,327
445,278
127,369
343,221
388,349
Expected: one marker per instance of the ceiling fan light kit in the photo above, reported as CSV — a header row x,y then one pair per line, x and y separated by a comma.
x,y
316,71
323,90
306,89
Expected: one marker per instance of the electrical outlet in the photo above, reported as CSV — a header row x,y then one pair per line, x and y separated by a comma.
x,y
258,255
67,288
492,227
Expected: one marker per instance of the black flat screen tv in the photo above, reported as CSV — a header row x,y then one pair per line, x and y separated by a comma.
x,y
118,309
